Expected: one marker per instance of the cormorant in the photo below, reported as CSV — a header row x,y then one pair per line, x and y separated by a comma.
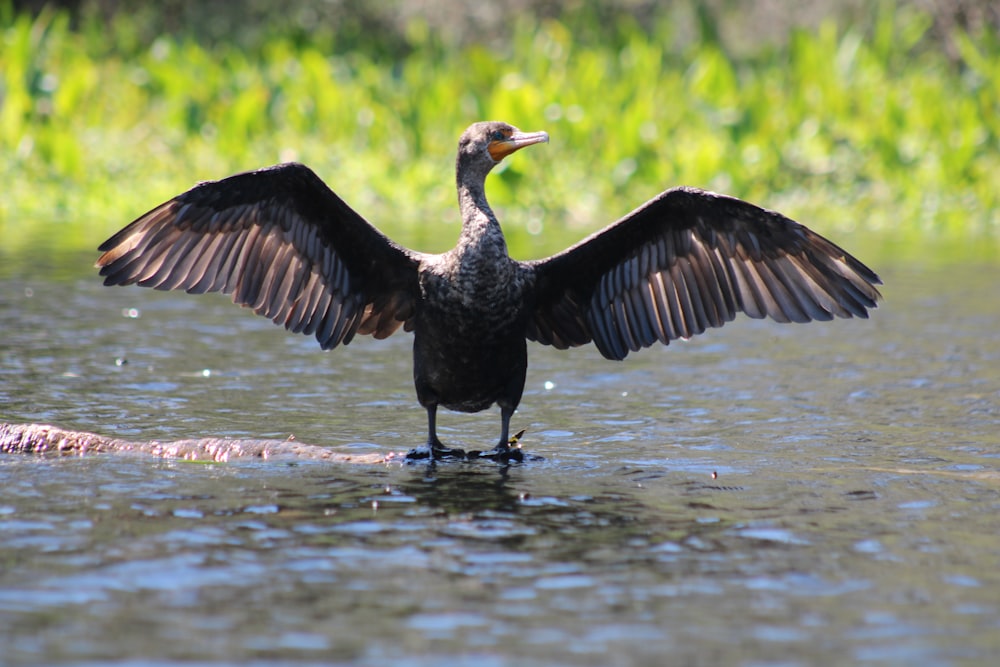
x,y
282,243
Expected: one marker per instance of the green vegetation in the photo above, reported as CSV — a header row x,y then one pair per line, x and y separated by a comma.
x,y
848,128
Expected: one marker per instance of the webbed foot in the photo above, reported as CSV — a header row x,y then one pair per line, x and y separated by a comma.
x,y
504,452
435,452
503,455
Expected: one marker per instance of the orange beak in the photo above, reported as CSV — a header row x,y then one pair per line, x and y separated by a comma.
x,y
501,148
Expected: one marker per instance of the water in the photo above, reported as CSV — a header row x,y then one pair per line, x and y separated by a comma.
x,y
764,495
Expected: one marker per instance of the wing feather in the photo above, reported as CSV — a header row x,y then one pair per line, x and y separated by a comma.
x,y
283,244
686,261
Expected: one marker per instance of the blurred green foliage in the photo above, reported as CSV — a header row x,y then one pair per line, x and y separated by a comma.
x,y
847,128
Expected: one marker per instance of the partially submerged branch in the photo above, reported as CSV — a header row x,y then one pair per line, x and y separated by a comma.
x,y
47,439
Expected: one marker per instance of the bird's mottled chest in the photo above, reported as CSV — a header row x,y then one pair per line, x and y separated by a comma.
x,y
477,288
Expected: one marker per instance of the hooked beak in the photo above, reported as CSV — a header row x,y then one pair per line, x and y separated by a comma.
x,y
516,141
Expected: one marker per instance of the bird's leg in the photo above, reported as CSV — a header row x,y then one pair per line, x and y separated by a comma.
x,y
434,449
503,452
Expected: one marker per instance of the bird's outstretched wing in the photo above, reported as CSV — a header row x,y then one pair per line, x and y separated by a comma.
x,y
282,243
688,260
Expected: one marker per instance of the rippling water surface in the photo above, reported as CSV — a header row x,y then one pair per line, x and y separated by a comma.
x,y
766,494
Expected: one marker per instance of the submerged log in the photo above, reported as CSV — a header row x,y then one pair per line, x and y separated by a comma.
x,y
47,439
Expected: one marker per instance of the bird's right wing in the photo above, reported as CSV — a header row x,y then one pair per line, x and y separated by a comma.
x,y
282,243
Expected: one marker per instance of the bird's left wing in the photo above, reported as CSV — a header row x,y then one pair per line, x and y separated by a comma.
x,y
688,260
282,243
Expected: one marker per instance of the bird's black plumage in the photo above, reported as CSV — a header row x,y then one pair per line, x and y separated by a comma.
x,y
282,243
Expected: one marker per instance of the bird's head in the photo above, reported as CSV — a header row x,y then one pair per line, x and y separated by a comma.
x,y
486,144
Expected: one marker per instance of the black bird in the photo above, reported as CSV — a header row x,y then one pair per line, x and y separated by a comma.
x,y
286,246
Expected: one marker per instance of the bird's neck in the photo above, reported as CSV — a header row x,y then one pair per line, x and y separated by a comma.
x,y
480,227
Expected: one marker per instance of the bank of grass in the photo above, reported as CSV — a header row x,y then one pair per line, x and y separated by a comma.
x,y
853,130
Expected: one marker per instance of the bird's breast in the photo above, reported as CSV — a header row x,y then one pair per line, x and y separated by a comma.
x,y
475,295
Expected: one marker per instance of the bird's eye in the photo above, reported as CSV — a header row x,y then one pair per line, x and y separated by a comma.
x,y
497,135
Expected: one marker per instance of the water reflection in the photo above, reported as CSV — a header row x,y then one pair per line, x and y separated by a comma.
x,y
463,488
